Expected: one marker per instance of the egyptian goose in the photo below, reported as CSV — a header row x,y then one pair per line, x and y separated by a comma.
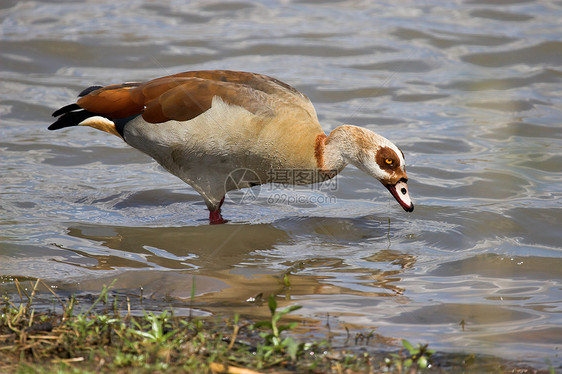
x,y
204,125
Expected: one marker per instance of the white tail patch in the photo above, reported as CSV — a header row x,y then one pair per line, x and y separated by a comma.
x,y
101,123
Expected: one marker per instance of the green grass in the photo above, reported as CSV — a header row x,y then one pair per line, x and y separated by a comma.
x,y
103,336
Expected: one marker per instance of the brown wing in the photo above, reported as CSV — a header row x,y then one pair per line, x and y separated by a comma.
x,y
186,95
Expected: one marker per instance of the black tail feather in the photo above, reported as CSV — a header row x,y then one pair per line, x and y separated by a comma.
x,y
74,107
66,109
72,114
70,117
88,90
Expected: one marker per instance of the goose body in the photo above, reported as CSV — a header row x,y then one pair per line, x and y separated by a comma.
x,y
209,127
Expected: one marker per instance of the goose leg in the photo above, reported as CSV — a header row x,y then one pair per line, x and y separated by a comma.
x,y
215,216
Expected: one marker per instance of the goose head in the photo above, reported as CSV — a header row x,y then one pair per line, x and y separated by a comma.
x,y
373,154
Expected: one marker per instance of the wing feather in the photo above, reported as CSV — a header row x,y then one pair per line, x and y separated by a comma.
x,y
186,95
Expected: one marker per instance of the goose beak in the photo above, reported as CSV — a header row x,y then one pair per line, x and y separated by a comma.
x,y
400,192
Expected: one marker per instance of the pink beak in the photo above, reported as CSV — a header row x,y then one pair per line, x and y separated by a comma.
x,y
400,193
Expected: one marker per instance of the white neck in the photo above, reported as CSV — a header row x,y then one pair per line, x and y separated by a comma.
x,y
346,145
357,146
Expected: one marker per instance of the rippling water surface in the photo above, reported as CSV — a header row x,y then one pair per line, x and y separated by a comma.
x,y
469,90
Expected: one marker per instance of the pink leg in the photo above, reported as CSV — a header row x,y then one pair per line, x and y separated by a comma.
x,y
215,217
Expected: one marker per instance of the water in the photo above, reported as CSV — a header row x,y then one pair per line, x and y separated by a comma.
x,y
469,90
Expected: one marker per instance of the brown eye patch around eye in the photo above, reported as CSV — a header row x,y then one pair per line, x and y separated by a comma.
x,y
383,155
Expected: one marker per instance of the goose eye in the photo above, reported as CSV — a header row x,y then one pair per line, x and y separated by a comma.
x,y
388,161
